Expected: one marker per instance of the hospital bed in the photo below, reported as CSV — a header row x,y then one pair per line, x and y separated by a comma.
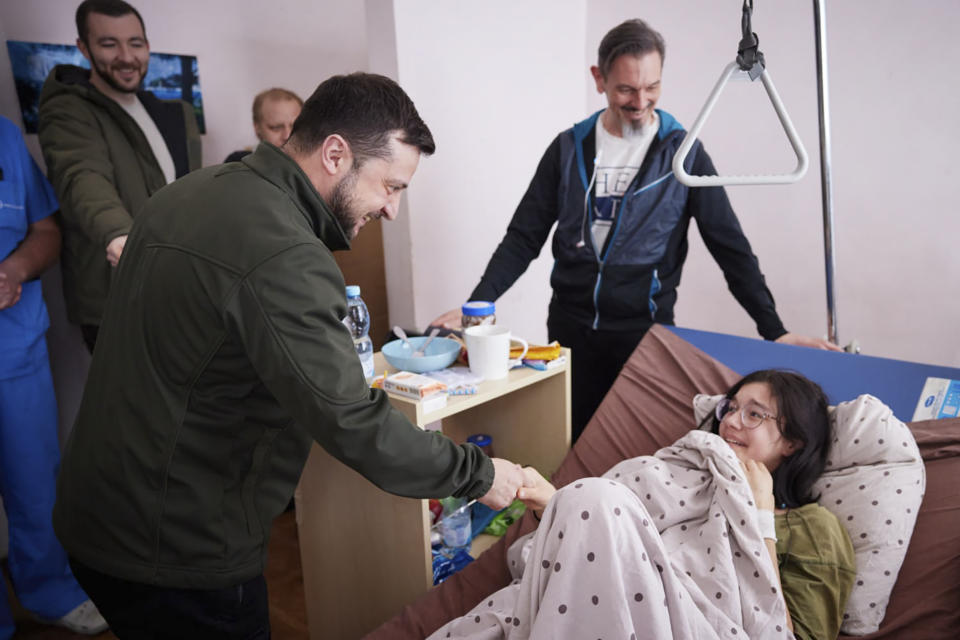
x,y
649,407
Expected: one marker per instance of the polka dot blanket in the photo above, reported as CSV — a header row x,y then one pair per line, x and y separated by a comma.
x,y
663,546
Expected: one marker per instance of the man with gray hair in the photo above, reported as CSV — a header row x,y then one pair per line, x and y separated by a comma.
x,y
621,225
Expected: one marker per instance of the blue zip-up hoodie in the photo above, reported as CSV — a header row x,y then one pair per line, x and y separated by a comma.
x,y
631,282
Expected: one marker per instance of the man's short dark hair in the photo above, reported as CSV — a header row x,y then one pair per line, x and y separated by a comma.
x,y
365,109
633,37
272,94
112,8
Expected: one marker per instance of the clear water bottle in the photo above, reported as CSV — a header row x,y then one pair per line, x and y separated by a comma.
x,y
358,322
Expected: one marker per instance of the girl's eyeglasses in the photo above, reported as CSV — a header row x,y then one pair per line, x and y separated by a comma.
x,y
751,416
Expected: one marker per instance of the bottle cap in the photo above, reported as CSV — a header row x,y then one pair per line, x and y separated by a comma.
x,y
353,291
480,439
478,308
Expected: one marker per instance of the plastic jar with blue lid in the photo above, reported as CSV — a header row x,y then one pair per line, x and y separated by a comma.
x,y
477,312
483,441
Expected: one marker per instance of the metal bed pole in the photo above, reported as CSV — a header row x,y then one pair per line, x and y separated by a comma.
x,y
826,180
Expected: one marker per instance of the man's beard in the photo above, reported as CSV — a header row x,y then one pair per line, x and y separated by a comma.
x,y
633,128
342,202
104,72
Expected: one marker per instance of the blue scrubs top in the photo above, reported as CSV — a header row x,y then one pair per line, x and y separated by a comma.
x,y
25,197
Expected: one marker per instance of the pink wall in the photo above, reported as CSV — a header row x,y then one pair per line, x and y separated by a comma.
x,y
243,47
894,106
893,109
495,90
894,103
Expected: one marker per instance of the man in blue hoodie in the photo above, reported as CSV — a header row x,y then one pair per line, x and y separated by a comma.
x,y
621,225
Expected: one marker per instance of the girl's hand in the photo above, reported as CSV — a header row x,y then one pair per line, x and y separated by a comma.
x,y
761,484
536,490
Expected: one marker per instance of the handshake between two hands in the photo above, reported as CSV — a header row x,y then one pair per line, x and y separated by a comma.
x,y
511,481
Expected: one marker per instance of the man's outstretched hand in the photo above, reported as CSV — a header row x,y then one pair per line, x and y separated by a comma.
x,y
537,490
507,479
450,320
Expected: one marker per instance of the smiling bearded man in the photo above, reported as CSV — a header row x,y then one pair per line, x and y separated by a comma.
x,y
620,220
223,357
108,146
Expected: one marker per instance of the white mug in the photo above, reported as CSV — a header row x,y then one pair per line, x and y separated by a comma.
x,y
488,350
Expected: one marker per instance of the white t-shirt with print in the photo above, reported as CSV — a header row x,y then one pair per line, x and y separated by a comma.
x,y
618,160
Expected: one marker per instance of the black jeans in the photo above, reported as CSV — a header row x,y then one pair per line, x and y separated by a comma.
x,y
597,358
141,611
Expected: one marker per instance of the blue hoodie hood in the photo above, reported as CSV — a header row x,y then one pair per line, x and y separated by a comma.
x,y
668,124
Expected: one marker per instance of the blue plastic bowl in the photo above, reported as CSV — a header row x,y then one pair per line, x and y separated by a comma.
x,y
440,354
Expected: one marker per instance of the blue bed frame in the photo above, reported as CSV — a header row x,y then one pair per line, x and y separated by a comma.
x,y
843,376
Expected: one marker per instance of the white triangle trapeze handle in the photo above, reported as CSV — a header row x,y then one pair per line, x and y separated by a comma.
x,y
720,181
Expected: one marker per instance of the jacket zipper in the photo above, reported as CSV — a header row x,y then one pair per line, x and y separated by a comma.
x,y
654,283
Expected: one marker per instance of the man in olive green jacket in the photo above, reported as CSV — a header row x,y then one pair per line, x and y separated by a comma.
x,y
108,147
222,355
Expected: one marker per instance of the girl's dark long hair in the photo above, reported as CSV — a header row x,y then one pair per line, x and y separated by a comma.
x,y
803,420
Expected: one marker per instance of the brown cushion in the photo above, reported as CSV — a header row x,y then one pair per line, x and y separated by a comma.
x,y
649,407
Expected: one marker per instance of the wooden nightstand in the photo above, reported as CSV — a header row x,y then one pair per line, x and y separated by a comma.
x,y
366,553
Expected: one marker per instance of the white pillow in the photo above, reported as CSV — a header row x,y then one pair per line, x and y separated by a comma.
x,y
874,484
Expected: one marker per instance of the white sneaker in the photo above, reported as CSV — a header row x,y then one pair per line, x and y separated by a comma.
x,y
85,619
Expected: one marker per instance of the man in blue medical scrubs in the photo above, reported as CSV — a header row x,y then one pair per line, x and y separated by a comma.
x,y
29,450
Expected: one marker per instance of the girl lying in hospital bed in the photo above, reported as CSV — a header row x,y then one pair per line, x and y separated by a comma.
x,y
716,536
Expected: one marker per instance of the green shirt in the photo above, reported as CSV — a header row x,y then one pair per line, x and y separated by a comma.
x,y
817,570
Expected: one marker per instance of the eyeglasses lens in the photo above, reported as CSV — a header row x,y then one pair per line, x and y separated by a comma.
x,y
748,416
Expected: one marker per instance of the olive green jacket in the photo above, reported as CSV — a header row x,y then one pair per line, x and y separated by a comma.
x,y
817,570
103,170
221,357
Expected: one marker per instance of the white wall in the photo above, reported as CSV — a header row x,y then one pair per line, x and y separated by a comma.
x,y
498,81
893,107
495,86
242,48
